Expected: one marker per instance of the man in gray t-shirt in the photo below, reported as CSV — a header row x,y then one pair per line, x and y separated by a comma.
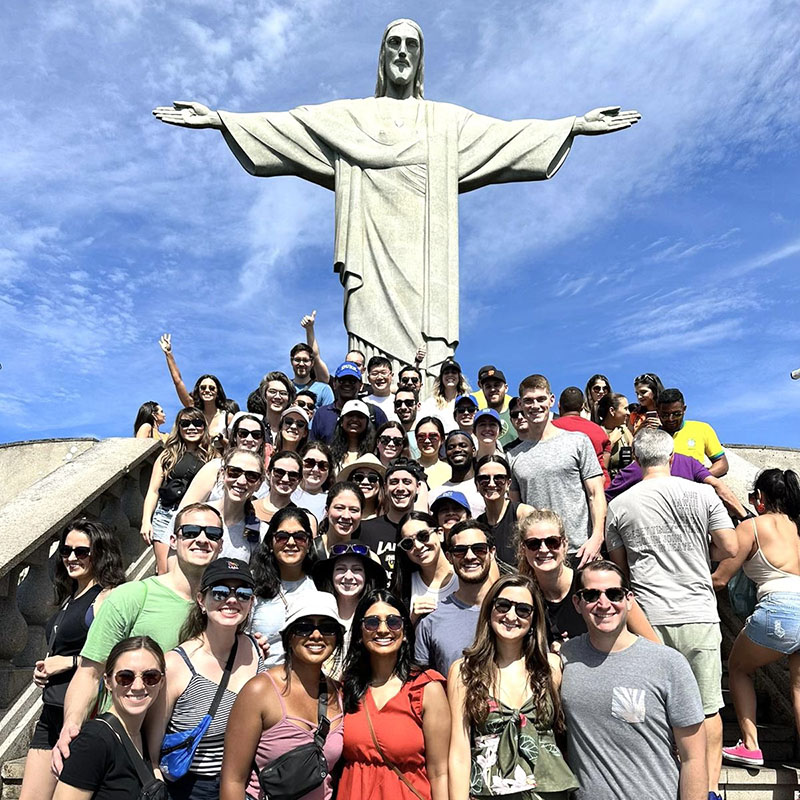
x,y
558,470
628,703
442,636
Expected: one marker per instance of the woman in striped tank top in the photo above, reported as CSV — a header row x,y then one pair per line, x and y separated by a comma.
x,y
195,669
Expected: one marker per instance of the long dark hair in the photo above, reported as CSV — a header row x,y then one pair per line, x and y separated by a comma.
x,y
286,640
106,558
781,491
339,442
404,567
338,488
605,404
219,400
357,667
479,667
651,380
145,415
323,448
252,417
266,571
175,446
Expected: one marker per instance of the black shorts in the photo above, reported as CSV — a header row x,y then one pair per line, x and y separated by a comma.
x,y
48,728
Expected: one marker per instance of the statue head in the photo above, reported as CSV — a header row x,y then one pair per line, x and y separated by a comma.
x,y
401,60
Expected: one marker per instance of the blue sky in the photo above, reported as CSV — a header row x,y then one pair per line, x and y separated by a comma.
x,y
673,247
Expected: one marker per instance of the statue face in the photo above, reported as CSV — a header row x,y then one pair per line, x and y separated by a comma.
x,y
401,56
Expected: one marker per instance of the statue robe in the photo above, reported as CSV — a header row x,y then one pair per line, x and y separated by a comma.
x,y
397,183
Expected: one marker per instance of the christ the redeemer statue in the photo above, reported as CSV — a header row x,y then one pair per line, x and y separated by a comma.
x,y
397,163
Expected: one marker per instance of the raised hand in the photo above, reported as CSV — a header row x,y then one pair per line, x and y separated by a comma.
x,y
165,342
188,115
604,120
419,356
308,319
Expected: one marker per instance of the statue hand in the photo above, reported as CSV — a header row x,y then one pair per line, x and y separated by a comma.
x,y
604,120
188,115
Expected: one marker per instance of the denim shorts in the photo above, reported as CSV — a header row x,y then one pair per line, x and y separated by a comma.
x,y
775,623
162,523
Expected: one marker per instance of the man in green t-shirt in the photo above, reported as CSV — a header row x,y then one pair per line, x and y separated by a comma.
x,y
155,607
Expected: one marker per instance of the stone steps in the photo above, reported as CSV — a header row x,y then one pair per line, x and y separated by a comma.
x,y
775,781
11,774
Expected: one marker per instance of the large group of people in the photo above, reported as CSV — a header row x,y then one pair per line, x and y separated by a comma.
x,y
365,592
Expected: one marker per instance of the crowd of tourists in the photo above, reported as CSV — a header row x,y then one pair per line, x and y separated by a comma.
x,y
368,590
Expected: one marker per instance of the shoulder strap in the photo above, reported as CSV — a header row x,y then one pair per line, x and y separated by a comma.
x,y
321,734
59,619
143,771
182,653
386,761
223,684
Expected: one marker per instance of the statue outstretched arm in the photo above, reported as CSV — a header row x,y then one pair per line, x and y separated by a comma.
x,y
604,120
188,115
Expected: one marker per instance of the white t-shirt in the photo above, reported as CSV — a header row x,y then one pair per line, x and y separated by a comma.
x,y
385,404
420,589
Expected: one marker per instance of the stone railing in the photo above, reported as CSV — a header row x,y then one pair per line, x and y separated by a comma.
x,y
56,482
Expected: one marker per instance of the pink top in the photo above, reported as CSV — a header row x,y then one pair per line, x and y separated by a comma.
x,y
293,732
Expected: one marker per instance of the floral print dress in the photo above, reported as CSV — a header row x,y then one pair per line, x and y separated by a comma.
x,y
513,754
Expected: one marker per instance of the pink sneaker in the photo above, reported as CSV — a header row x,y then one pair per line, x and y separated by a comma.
x,y
741,755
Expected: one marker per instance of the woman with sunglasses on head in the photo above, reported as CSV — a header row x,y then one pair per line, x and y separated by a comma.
x,y
248,432
769,555
242,473
312,491
390,442
283,475
542,556
281,571
597,387
422,575
149,419
647,387
353,435
429,433
187,448
283,708
492,479
367,473
207,395
613,414
350,571
342,522
98,766
293,430
449,385
397,721
505,703
213,643
278,393
89,565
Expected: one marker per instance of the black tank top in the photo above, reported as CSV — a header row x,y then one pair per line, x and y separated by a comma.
x,y
69,640
503,534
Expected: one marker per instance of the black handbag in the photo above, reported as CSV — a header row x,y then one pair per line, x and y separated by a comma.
x,y
152,787
303,769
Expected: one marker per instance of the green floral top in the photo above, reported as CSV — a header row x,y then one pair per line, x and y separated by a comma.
x,y
512,754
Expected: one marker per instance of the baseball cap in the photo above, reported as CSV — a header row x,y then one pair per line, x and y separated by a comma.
x,y
226,569
355,406
297,410
453,496
450,362
465,398
487,412
490,371
347,369
310,604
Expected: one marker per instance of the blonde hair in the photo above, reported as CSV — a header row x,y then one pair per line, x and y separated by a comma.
x,y
537,516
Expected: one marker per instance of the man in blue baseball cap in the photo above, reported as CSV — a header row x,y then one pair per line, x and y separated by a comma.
x,y
346,385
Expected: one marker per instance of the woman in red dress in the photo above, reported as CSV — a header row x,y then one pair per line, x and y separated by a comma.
x,y
397,723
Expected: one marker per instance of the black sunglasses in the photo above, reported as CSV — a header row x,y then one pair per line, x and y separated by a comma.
x,y
407,543
615,594
213,532
394,622
397,441
404,403
251,476
244,594
192,423
150,677
305,627
310,463
550,542
369,477
480,549
65,551
301,538
300,424
243,433
502,605
291,474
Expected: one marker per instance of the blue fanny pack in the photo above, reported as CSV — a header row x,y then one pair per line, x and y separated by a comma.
x,y
178,749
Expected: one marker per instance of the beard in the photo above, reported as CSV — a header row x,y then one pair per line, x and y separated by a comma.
x,y
475,577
